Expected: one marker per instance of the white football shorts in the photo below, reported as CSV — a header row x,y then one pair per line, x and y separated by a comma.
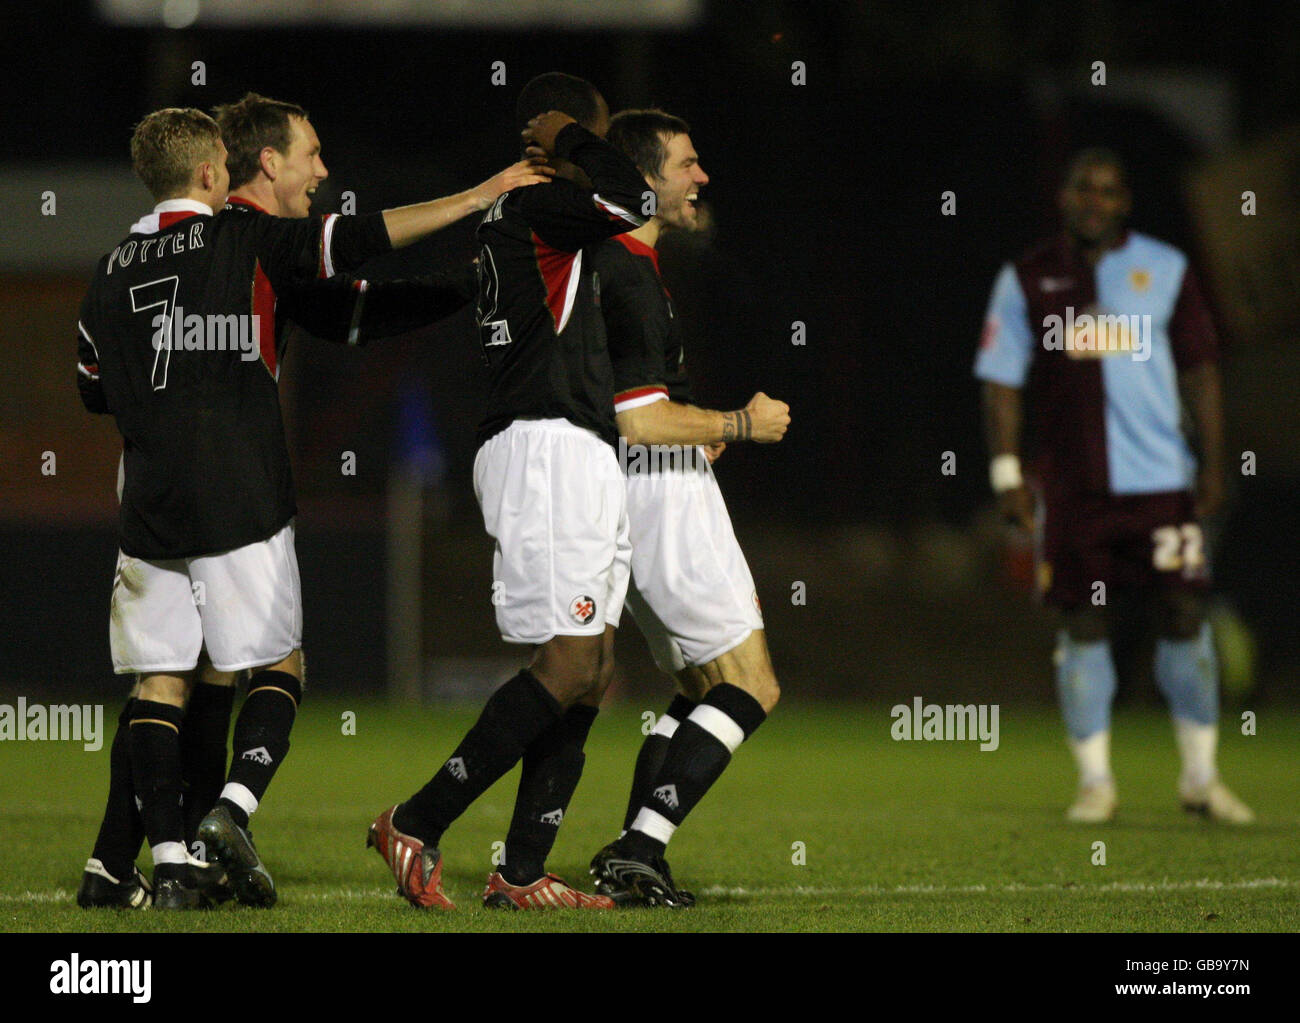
x,y
553,498
692,594
244,605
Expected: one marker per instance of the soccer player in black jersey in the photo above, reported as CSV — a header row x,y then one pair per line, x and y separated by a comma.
x,y
552,496
172,343
275,166
691,592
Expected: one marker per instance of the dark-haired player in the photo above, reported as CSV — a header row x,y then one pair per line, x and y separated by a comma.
x,y
1105,327
207,560
552,496
691,593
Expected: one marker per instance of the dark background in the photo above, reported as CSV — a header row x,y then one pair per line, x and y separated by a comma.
x,y
826,200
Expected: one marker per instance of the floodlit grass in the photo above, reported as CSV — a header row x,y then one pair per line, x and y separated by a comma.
x,y
896,836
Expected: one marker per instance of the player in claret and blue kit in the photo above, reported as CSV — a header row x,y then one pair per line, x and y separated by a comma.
x,y
1106,331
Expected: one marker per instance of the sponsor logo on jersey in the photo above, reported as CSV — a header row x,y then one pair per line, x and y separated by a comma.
x,y
1139,280
554,817
259,754
582,609
457,768
667,794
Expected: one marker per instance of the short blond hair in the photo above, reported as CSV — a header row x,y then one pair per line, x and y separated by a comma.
x,y
169,144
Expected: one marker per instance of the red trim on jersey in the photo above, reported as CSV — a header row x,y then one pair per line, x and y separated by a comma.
x,y
555,265
264,309
640,392
165,220
639,248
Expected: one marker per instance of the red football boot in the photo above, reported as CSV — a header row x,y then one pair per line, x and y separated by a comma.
x,y
548,893
418,870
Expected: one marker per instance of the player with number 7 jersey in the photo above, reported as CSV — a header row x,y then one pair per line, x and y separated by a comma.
x,y
172,343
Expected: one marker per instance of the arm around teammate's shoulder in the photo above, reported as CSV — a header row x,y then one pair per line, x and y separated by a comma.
x,y
570,217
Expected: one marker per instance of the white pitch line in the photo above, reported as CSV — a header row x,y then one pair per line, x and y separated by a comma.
x,y
386,894
1205,884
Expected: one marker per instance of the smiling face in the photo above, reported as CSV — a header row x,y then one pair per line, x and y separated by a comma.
x,y
295,174
1095,203
678,186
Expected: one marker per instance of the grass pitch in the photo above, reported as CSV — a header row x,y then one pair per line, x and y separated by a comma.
x,y
822,823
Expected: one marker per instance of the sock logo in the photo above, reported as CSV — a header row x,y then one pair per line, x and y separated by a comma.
x,y
554,817
457,768
582,609
261,755
668,795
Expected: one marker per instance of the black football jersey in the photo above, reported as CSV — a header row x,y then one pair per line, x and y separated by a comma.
x,y
539,318
353,310
644,339
177,340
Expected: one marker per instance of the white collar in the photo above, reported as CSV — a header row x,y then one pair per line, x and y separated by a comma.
x,y
176,205
148,224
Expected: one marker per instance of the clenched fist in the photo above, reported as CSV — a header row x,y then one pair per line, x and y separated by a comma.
x,y
768,418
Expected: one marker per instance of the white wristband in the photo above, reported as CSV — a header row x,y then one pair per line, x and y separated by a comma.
x,y
1004,473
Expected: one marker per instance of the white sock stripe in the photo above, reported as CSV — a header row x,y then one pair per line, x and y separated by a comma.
x,y
169,852
719,725
240,796
656,825
665,726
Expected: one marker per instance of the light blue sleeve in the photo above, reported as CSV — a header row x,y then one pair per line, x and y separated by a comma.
x,y
1006,344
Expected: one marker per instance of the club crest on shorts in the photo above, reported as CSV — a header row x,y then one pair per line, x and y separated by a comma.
x,y
582,609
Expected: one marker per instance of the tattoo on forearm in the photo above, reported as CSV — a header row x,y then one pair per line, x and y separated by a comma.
x,y
736,426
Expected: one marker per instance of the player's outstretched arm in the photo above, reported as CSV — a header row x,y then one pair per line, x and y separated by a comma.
x,y
353,311
764,420
409,224
293,249
1002,425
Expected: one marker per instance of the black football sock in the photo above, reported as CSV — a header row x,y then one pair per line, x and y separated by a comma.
x,y
122,830
203,750
651,757
516,714
156,777
552,768
261,740
698,753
